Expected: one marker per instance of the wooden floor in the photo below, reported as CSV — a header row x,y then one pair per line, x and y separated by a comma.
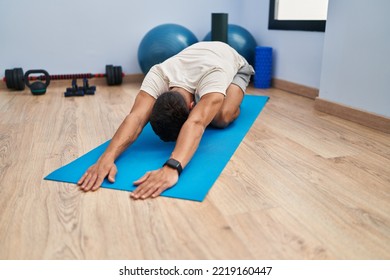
x,y
302,185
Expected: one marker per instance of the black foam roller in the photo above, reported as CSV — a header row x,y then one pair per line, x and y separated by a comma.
x,y
219,27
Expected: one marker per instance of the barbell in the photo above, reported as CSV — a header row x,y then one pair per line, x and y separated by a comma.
x,y
15,78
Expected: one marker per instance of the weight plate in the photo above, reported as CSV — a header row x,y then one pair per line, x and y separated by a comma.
x,y
110,75
114,75
19,82
119,75
15,79
8,78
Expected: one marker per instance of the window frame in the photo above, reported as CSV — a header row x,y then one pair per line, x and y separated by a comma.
x,y
302,25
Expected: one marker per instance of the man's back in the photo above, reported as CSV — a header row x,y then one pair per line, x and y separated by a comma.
x,y
203,67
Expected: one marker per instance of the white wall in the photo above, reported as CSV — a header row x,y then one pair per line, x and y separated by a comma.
x,y
68,36
356,59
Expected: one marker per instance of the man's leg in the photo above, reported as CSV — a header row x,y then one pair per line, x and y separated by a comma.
x,y
230,109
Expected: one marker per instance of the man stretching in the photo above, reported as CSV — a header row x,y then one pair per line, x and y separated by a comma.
x,y
203,84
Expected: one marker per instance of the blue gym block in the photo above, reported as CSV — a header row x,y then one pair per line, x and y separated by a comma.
x,y
263,67
149,153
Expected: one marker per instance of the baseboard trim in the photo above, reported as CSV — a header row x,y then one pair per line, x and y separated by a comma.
x,y
368,119
302,90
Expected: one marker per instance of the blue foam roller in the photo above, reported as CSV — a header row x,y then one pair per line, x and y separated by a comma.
x,y
263,67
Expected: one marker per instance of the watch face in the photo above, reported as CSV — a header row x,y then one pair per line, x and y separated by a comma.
x,y
174,164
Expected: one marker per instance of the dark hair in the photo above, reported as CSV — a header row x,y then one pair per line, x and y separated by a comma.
x,y
168,115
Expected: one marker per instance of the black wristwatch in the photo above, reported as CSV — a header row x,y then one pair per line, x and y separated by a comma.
x,y
173,163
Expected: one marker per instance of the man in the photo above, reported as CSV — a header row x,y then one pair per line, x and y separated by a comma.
x,y
204,84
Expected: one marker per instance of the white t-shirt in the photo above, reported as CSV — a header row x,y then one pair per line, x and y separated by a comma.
x,y
201,68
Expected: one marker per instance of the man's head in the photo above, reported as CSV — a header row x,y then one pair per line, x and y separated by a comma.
x,y
168,115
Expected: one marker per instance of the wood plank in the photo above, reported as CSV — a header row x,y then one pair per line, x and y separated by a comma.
x,y
304,129
275,234
316,193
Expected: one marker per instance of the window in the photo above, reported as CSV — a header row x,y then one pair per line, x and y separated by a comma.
x,y
307,15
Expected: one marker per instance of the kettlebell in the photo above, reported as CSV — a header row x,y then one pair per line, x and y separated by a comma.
x,y
37,87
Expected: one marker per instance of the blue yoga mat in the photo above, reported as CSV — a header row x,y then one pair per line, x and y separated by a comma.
x,y
148,153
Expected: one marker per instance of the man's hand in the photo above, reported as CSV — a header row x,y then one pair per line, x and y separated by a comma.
x,y
153,183
94,176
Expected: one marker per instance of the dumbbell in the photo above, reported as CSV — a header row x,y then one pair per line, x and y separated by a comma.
x,y
15,78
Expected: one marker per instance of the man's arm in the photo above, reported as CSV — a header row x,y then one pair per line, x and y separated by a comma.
x,y
153,183
126,134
